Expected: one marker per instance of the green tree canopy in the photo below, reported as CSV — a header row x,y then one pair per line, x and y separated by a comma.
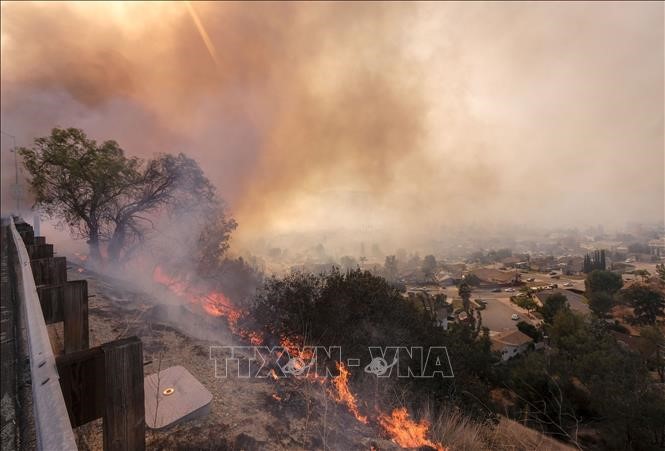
x,y
530,330
464,290
590,379
390,268
472,279
601,303
648,303
606,281
348,263
429,266
660,269
552,305
106,197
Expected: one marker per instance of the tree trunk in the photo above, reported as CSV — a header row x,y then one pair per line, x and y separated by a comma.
x,y
93,246
117,243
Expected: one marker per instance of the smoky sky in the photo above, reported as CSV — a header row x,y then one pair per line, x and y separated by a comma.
x,y
396,116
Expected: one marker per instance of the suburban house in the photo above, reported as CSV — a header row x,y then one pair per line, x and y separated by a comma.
x,y
576,301
635,343
543,264
511,343
657,247
513,261
455,270
494,278
441,312
571,265
445,279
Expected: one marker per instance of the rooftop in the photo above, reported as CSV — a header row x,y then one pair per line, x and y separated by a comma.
x,y
512,338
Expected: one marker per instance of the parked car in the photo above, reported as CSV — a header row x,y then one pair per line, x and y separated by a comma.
x,y
531,279
568,284
509,290
515,317
496,290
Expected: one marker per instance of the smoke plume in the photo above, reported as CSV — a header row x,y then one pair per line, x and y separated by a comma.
x,y
390,119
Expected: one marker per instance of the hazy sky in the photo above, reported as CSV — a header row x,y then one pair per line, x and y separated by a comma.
x,y
398,116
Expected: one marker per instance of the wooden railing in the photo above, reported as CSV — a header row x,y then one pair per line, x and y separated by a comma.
x,y
83,383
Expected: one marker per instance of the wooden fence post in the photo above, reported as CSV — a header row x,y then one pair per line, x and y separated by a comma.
x,y
82,380
75,310
124,410
49,271
107,381
51,299
39,251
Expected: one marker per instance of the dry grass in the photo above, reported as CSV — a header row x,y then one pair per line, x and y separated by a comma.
x,y
456,431
510,435
459,433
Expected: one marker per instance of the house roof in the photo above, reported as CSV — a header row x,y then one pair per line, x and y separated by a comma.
x,y
634,342
576,301
494,275
511,338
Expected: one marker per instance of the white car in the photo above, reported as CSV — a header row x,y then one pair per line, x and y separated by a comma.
x,y
568,284
515,317
509,290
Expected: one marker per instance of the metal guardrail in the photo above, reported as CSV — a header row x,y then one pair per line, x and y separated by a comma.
x,y
53,428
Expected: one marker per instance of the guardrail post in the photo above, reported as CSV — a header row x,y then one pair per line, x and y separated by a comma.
x,y
51,300
40,250
26,232
68,303
124,413
75,310
107,381
82,381
49,271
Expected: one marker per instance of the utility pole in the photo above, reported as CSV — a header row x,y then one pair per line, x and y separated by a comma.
x,y
16,185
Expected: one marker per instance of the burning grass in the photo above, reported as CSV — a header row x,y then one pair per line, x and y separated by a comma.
x,y
399,427
343,395
406,432
213,302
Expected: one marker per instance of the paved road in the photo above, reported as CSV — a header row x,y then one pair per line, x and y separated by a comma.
x,y
497,314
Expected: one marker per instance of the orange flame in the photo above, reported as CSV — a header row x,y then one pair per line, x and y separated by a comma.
x,y
344,395
81,257
406,432
213,303
290,345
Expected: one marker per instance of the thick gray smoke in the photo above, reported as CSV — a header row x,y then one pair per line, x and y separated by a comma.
x,y
392,119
